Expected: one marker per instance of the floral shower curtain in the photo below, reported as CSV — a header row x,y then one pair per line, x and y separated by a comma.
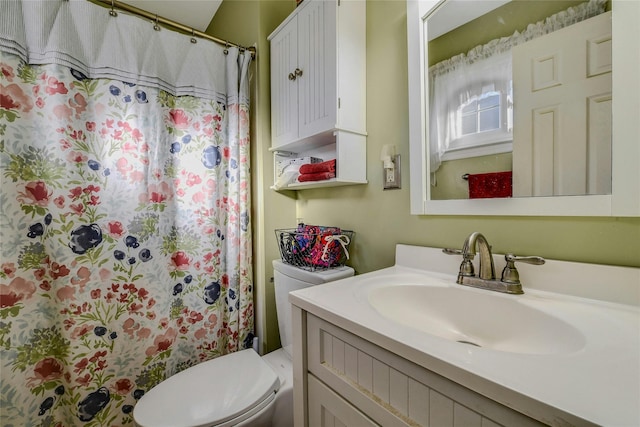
x,y
125,239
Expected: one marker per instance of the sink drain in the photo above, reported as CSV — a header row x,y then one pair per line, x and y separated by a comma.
x,y
468,342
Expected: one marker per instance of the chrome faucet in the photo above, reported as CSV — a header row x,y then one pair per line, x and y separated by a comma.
x,y
487,270
486,279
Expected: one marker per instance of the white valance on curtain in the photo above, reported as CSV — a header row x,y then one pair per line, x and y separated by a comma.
x,y
552,23
456,80
83,36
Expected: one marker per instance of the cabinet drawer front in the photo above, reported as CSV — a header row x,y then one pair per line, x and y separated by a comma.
x,y
394,391
327,409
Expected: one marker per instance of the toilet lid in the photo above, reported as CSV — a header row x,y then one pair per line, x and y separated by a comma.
x,y
211,392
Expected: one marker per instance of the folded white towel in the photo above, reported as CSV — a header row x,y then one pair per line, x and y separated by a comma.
x,y
289,175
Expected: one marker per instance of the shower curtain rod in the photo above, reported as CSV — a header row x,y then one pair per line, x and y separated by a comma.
x,y
176,25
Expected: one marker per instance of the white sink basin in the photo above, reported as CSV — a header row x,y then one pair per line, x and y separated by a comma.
x,y
475,317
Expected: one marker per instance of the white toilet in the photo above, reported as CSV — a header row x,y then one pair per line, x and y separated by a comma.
x,y
241,388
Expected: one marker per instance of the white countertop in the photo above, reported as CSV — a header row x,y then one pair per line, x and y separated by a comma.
x,y
599,383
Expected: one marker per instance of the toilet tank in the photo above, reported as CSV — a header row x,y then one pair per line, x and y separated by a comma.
x,y
287,278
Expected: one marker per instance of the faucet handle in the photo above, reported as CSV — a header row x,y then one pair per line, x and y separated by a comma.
x,y
450,251
466,267
510,273
536,260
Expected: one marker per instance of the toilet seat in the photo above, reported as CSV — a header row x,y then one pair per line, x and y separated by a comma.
x,y
222,391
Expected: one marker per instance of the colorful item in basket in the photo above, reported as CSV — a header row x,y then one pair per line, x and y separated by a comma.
x,y
321,246
305,238
317,171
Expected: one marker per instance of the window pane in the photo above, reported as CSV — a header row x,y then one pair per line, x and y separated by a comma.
x,y
489,119
469,124
489,101
470,107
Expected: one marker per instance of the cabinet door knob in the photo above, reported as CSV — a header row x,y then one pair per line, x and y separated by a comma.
x,y
292,76
298,72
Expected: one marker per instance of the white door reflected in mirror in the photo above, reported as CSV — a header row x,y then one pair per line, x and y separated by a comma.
x,y
562,123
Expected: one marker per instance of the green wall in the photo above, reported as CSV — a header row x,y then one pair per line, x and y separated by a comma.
x,y
381,218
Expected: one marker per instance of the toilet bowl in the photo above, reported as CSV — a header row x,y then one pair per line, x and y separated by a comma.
x,y
241,388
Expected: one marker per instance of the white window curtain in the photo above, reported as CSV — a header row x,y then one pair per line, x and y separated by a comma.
x,y
466,79
456,80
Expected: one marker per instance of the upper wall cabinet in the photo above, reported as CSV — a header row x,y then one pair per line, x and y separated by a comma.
x,y
318,87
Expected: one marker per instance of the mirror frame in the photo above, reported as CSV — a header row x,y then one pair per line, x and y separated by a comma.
x,y
624,200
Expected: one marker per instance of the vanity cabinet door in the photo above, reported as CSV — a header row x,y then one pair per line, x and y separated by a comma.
x,y
393,391
327,409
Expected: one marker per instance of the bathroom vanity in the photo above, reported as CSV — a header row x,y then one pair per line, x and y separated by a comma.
x,y
406,345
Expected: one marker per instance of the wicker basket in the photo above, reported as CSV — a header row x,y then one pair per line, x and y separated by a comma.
x,y
314,247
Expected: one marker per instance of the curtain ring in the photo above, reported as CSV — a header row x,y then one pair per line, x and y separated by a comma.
x,y
226,48
113,12
193,36
242,50
156,26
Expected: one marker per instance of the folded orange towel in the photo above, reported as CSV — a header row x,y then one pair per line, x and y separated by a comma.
x,y
328,166
319,176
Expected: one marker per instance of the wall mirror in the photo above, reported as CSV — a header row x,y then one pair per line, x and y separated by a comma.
x,y
564,187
